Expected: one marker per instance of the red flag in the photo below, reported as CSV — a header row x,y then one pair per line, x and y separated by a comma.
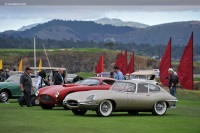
x,y
165,64
100,66
130,68
185,69
123,68
119,60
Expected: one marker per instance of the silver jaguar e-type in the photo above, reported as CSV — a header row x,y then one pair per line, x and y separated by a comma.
x,y
127,95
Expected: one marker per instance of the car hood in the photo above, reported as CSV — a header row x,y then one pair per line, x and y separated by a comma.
x,y
56,88
84,94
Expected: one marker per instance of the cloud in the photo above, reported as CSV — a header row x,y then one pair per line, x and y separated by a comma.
x,y
14,17
103,2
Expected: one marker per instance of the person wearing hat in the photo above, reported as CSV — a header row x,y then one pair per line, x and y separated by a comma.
x,y
26,87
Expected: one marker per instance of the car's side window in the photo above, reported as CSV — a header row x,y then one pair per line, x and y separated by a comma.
x,y
153,88
142,88
130,87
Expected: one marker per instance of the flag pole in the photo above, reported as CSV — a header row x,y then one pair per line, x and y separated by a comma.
x,y
192,64
170,52
34,56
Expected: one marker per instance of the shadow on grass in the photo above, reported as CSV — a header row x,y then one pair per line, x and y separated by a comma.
x,y
121,115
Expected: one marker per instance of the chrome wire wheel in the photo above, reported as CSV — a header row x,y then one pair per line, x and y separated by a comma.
x,y
159,108
4,96
105,108
35,101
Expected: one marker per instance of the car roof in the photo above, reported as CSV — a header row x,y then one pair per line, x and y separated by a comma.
x,y
32,75
101,78
47,68
133,81
144,72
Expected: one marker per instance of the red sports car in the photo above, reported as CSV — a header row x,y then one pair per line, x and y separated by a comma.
x,y
52,96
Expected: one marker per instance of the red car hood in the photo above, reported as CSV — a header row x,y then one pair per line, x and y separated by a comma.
x,y
51,90
66,89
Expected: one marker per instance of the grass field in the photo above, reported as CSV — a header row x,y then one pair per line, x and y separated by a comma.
x,y
184,119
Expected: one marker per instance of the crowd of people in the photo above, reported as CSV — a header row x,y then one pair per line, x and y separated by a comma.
x,y
5,74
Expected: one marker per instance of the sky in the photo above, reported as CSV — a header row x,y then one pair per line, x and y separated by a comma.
x,y
13,17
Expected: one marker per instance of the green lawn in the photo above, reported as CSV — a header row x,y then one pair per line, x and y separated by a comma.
x,y
184,119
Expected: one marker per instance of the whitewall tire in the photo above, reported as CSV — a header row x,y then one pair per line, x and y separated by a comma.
x,y
105,108
159,108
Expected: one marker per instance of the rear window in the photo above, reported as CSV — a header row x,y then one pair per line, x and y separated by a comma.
x,y
145,88
153,88
142,88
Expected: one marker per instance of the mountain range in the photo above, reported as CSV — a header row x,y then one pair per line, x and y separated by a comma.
x,y
104,30
118,22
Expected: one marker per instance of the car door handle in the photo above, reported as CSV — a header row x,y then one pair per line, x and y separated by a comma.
x,y
147,95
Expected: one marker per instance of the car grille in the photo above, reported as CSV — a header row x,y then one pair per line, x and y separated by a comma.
x,y
72,103
46,98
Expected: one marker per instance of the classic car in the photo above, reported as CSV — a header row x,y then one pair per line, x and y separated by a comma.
x,y
10,88
52,96
145,76
128,95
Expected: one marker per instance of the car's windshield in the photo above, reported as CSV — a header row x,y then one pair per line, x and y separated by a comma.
x,y
71,75
13,78
124,87
34,81
90,82
16,78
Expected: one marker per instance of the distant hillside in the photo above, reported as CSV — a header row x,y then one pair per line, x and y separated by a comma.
x,y
91,31
27,27
160,34
75,30
118,22
74,60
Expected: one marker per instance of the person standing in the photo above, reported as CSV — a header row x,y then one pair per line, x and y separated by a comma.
x,y
7,73
118,74
26,87
111,75
59,80
172,83
173,80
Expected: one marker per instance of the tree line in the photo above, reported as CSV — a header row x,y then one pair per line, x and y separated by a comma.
x,y
146,49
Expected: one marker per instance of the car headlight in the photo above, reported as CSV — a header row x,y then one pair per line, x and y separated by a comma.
x,y
57,94
37,93
90,98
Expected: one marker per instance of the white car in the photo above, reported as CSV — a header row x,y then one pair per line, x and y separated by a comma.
x,y
145,76
124,96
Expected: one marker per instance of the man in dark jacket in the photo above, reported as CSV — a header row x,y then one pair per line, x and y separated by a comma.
x,y
59,80
173,81
26,87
